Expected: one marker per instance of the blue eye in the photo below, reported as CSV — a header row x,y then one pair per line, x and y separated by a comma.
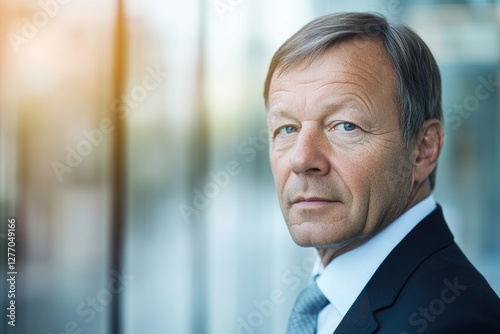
x,y
346,126
287,130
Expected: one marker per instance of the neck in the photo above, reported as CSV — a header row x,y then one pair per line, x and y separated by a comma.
x,y
419,192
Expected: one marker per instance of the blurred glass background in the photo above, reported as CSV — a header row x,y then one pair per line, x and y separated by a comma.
x,y
134,158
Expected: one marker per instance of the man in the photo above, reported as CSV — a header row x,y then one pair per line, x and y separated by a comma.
x,y
354,116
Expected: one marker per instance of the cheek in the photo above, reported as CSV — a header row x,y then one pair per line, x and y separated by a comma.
x,y
364,174
280,170
355,169
384,179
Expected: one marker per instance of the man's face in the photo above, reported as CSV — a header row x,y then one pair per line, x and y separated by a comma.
x,y
335,142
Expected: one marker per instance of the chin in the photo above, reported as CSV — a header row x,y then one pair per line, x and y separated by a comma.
x,y
317,234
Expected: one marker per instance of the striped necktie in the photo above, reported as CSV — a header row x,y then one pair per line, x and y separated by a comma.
x,y
304,316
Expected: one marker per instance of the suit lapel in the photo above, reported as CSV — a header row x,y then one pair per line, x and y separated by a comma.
x,y
360,319
428,237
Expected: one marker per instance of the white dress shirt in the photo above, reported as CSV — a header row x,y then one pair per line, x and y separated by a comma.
x,y
345,276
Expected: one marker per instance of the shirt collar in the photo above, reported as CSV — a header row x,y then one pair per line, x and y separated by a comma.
x,y
343,279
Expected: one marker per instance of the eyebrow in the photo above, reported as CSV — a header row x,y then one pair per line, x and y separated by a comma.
x,y
278,113
332,107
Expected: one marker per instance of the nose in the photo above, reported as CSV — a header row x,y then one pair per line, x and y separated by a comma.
x,y
310,152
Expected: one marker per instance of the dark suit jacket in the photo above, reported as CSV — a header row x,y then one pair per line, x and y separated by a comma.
x,y
425,285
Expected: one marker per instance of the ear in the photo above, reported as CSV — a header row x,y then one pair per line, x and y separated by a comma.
x,y
428,144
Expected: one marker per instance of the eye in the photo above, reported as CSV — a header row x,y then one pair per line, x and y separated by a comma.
x,y
287,129
346,126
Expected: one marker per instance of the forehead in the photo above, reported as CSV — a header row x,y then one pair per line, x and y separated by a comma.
x,y
359,66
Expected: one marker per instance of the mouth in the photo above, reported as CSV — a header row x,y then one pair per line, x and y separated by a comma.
x,y
312,202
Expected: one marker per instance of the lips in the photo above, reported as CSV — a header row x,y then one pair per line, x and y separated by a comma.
x,y
311,202
300,199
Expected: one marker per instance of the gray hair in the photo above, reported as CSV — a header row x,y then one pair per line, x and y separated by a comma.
x,y
418,78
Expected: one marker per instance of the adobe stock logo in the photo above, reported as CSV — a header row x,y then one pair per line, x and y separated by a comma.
x,y
484,90
29,30
291,279
89,310
220,180
222,7
436,307
95,137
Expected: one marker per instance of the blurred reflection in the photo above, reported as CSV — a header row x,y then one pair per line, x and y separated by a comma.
x,y
205,247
